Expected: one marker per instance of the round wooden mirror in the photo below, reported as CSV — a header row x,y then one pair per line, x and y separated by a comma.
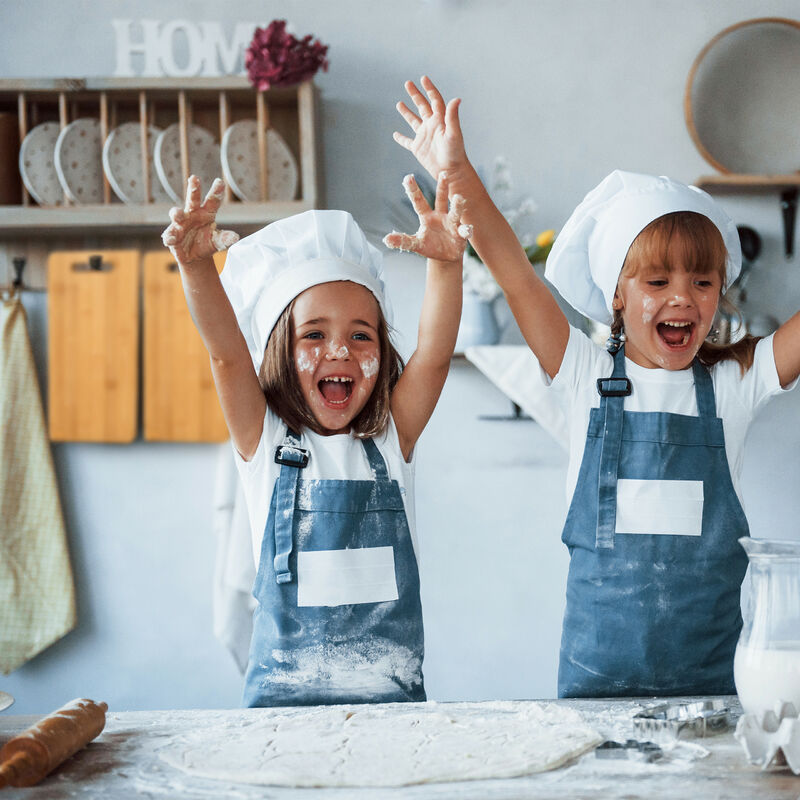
x,y
742,101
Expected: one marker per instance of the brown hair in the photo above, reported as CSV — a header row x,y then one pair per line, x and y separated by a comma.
x,y
281,385
694,241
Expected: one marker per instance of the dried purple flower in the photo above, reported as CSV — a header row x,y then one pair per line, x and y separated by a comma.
x,y
277,58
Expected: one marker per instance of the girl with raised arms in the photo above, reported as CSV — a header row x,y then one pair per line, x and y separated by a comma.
x,y
657,422
324,419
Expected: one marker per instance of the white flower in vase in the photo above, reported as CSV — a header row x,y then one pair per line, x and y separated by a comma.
x,y
478,280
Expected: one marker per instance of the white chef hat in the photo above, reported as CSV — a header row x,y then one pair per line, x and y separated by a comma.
x,y
265,271
588,254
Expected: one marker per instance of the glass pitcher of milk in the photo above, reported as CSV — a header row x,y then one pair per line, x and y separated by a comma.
x,y
766,667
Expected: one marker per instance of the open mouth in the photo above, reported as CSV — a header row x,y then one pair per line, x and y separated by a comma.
x,y
336,390
675,334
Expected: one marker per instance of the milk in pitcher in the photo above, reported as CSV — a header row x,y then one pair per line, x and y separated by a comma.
x,y
765,677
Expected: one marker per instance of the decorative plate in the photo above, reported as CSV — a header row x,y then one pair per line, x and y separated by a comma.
x,y
78,159
203,159
122,163
5,700
740,101
240,163
37,164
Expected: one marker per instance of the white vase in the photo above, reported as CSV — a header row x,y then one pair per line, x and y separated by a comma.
x,y
478,323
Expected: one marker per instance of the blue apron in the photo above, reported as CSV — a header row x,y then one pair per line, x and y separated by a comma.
x,y
339,618
652,613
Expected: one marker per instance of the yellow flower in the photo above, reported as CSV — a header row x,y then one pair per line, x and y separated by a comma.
x,y
546,238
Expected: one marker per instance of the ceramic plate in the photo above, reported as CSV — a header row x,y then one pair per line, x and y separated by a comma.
x,y
78,159
122,163
37,165
240,163
5,700
203,159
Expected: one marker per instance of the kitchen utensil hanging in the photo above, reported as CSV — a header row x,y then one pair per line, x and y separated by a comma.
x,y
180,400
93,345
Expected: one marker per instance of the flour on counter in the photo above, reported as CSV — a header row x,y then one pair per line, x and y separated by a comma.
x,y
395,744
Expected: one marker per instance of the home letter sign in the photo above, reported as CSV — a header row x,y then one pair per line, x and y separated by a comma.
x,y
180,48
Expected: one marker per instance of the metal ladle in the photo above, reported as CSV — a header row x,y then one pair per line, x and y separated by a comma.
x,y
755,324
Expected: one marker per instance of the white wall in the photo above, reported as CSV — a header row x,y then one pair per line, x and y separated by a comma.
x,y
567,91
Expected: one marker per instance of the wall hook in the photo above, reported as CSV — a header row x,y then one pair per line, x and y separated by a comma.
x,y
19,267
516,415
789,210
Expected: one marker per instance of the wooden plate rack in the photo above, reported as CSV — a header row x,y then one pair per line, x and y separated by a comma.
x,y
213,103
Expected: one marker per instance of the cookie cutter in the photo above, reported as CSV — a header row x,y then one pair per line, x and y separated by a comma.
x,y
683,720
631,748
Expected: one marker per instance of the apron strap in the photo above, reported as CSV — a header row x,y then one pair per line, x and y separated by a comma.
x,y
376,460
286,492
704,390
292,459
612,401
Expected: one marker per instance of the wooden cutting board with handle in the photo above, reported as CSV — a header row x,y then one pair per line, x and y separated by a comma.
x,y
93,345
180,400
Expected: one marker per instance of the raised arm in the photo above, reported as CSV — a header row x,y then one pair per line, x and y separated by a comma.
x,y
441,238
193,238
438,145
786,346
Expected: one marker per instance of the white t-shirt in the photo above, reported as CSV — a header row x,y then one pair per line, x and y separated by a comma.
x,y
738,397
337,457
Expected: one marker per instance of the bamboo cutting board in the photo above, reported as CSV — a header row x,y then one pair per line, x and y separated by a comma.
x,y
180,400
93,346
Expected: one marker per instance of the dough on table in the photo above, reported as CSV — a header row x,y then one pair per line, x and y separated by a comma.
x,y
394,744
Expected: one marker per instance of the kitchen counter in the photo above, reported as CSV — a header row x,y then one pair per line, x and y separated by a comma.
x,y
123,762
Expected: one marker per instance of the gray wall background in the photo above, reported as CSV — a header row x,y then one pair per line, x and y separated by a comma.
x,y
567,91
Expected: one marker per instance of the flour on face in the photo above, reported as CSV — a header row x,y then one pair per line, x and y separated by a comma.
x,y
369,367
308,362
338,351
648,310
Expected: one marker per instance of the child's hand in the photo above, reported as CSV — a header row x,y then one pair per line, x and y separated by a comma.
x,y
441,235
192,236
437,144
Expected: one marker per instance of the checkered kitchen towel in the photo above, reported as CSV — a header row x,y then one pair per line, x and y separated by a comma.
x,y
37,594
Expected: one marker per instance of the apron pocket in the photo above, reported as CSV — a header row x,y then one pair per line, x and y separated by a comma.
x,y
346,577
660,507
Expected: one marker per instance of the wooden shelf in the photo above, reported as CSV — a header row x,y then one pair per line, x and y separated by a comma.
x,y
198,86
25,221
788,186
731,182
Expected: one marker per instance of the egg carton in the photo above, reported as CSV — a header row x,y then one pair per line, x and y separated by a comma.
x,y
771,738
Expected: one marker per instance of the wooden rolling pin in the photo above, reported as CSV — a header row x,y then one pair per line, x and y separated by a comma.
x,y
27,758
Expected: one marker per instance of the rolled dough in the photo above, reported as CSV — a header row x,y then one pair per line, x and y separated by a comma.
x,y
394,744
